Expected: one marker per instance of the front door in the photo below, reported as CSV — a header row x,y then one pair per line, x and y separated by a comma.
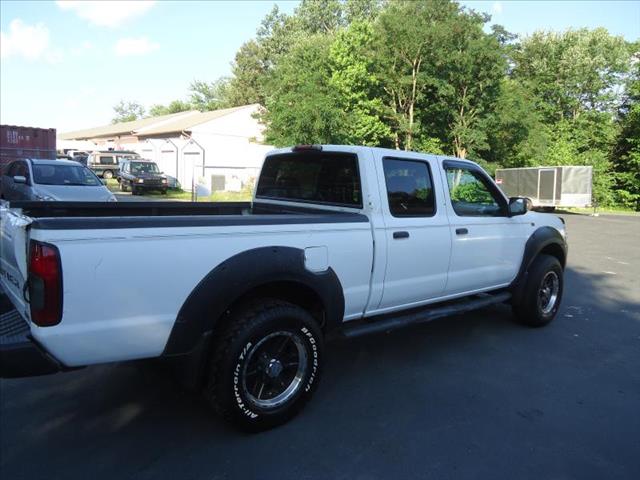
x,y
487,245
417,233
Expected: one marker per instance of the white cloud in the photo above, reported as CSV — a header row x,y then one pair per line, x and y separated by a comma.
x,y
496,8
28,41
135,46
107,13
82,48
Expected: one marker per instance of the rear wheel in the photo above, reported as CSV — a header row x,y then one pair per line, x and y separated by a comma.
x,y
107,174
265,366
542,292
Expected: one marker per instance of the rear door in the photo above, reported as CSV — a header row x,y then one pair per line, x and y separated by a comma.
x,y
417,231
547,186
487,244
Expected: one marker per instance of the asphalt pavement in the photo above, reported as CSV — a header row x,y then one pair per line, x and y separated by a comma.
x,y
473,396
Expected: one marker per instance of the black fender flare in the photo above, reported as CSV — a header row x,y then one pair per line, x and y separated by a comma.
x,y
237,276
542,238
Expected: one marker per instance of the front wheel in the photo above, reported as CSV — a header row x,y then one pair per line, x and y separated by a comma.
x,y
265,366
107,174
542,292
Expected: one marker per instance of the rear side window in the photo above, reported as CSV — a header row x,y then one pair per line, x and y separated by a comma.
x,y
107,160
409,188
329,178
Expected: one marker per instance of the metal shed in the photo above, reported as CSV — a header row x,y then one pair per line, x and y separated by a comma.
x,y
564,186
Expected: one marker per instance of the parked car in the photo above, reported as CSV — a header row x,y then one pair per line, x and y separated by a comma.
x,y
173,183
140,175
52,180
107,163
338,241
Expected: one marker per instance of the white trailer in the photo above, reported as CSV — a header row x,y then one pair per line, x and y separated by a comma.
x,y
548,187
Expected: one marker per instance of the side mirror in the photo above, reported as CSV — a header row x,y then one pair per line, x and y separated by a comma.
x,y
519,206
19,179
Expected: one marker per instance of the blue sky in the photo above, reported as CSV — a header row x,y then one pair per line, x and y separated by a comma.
x,y
65,64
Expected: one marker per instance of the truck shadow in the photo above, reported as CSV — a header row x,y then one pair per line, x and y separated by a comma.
x,y
444,378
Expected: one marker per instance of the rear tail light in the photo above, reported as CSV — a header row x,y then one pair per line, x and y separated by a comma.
x,y
45,284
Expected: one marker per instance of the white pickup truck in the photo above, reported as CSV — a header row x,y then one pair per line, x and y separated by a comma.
x,y
338,240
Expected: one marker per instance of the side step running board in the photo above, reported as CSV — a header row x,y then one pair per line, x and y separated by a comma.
x,y
388,323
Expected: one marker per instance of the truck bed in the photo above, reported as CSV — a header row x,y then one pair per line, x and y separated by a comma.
x,y
106,215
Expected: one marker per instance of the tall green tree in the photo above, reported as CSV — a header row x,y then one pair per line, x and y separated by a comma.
x,y
302,106
248,75
359,90
175,106
573,71
515,134
408,35
626,154
206,96
127,111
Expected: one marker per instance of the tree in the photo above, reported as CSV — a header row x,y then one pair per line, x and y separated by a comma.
x,y
209,96
248,75
175,106
440,73
573,71
302,106
469,82
320,16
407,35
516,136
127,111
574,78
359,89
626,154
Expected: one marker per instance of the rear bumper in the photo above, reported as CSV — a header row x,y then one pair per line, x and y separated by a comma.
x,y
20,355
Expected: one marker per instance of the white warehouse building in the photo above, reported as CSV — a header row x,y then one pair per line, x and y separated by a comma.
x,y
221,148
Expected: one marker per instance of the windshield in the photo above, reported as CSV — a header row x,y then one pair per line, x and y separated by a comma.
x,y
144,167
64,175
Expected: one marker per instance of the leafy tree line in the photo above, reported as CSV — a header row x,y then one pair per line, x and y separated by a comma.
x,y
427,76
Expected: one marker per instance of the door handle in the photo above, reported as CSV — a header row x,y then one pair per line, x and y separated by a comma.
x,y
400,234
461,231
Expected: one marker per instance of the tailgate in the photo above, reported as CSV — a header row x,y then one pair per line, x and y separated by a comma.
x,y
13,255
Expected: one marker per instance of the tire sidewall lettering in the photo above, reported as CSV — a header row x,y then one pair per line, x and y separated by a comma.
x,y
312,346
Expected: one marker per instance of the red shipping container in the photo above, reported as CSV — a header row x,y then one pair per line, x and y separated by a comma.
x,y
26,142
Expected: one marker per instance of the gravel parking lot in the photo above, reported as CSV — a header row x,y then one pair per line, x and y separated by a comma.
x,y
475,396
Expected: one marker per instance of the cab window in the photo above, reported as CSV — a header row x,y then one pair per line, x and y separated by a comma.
x,y
409,188
472,194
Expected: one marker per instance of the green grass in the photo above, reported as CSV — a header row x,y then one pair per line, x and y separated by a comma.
x,y
181,195
603,210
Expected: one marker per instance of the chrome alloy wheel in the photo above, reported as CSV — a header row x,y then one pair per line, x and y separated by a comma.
x,y
274,370
548,292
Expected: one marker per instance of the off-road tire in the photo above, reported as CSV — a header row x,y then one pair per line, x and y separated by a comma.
x,y
233,350
107,174
529,310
